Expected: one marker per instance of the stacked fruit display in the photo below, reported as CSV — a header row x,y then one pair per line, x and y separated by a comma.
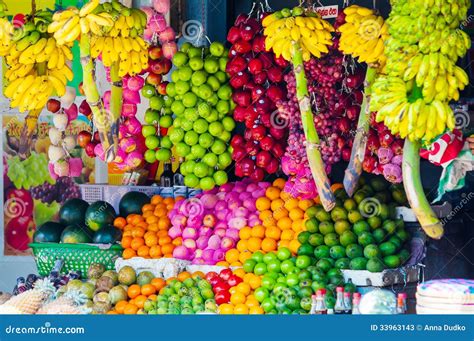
x,y
36,63
257,79
200,98
421,73
209,224
337,100
383,153
359,233
145,234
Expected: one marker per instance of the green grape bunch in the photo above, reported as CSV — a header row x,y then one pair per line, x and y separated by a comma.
x,y
30,172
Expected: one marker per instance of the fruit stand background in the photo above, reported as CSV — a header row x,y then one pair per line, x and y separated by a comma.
x,y
22,213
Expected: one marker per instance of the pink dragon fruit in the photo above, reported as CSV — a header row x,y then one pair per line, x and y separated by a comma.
x,y
392,173
385,155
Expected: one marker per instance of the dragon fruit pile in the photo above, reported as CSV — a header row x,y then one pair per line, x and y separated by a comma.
x,y
383,154
257,81
336,98
209,224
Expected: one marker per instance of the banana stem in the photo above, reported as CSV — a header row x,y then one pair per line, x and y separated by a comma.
x,y
354,169
312,139
414,190
115,102
101,117
31,121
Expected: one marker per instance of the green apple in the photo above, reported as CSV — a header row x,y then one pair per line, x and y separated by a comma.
x,y
176,135
223,63
220,177
152,142
207,183
210,159
213,82
223,107
182,87
213,116
206,140
163,154
205,91
221,76
224,160
191,180
218,147
201,170
191,138
216,128
152,116
199,78
228,123
177,122
148,130
148,91
171,89
156,103
196,63
194,52
225,92
211,65
150,156
200,126
186,125
197,151
225,136
191,114
177,107
182,149
180,58
168,100
204,109
174,77
189,100
166,121
185,73
166,142
185,47
217,49
213,99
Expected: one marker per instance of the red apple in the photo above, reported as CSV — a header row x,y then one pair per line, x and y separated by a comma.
x,y
260,77
266,143
237,141
263,159
84,138
90,149
242,98
258,132
85,108
53,105
96,137
18,231
258,44
18,203
278,150
248,166
242,46
154,79
275,74
257,175
234,34
161,88
272,166
255,66
155,52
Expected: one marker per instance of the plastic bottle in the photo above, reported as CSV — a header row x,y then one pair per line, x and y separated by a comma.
x,y
347,303
355,303
166,179
339,307
402,303
318,306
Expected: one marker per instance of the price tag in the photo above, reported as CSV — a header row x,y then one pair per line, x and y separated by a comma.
x,y
328,11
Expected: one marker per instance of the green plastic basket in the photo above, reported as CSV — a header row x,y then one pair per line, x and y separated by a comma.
x,y
75,256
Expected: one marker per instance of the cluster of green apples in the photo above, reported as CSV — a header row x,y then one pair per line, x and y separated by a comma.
x,y
200,98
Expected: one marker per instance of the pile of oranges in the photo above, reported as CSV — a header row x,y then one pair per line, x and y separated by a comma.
x,y
137,296
146,235
242,300
282,217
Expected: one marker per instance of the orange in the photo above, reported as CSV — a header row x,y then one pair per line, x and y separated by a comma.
x,y
184,275
284,223
240,272
279,183
161,212
269,222
148,207
287,235
111,312
305,204
164,223
120,306
251,302
137,242
162,234
165,240
242,245
244,288
272,193
277,204
143,225
232,255
126,241
256,310
237,298
258,231
137,219
336,186
147,214
247,277
297,225
155,251
291,203
153,297
143,251
148,289
280,213
243,256
151,240
179,198
222,263
129,253
127,234
156,199
158,283
168,255
128,227
285,195
232,290
245,232
255,282
133,291
170,279
152,220
263,203
167,249
294,246
177,241
269,244
284,243
197,274
148,233
153,227
226,309
130,218
138,232
296,213
273,232
140,301
241,309
267,214
168,200
120,223
237,263
254,244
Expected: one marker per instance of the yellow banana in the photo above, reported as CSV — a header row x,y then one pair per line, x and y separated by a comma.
x,y
89,8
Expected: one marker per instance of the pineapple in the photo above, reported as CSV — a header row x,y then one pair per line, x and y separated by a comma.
x,y
29,301
70,303
4,297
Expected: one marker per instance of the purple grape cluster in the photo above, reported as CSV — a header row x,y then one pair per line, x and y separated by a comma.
x,y
64,189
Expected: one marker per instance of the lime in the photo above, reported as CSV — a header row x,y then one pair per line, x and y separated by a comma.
x,y
342,263
321,251
324,264
287,266
303,237
258,256
371,251
354,251
348,237
312,225
354,216
283,253
322,215
274,266
375,265
337,252
360,227
311,211
393,261
303,261
326,227
268,283
331,239
403,235
395,241
260,294
316,239
338,213
404,255
350,204
374,222
387,248
249,264
379,235
341,226
389,226
365,238
358,263
305,249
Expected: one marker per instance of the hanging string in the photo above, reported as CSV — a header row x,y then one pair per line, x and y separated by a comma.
x,y
251,10
33,8
267,6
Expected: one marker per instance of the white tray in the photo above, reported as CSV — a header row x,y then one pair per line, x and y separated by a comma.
x,y
162,268
385,278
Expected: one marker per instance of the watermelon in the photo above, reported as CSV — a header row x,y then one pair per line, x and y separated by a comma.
x,y
107,235
132,203
73,211
77,233
100,214
49,232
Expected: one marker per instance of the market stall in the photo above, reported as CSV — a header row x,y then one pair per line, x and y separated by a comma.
x,y
276,172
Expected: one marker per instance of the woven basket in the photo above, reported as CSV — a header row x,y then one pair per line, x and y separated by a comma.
x,y
75,256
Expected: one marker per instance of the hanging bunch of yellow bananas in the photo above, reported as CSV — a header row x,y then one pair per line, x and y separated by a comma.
x,y
287,26
123,44
421,73
363,35
37,67
6,31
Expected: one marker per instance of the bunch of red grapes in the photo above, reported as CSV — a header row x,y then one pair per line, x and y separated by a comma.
x,y
336,96
257,78
383,154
